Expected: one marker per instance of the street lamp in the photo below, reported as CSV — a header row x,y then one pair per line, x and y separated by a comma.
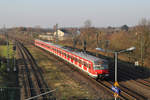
x,y
116,57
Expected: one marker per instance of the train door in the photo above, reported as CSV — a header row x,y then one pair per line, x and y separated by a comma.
x,y
68,56
63,54
75,60
72,58
89,67
81,63
85,65
59,52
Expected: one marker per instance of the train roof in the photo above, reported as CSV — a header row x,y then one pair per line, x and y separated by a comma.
x,y
80,54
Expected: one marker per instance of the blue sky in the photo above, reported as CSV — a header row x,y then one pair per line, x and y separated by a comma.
x,y
72,13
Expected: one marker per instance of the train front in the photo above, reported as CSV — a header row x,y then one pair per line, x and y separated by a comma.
x,y
101,68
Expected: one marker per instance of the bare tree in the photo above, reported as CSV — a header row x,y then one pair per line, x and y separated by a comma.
x,y
88,23
86,30
143,39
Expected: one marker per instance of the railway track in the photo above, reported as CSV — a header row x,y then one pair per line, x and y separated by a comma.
x,y
141,77
140,82
33,81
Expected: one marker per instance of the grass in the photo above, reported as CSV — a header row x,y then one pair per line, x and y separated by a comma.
x,y
8,80
3,49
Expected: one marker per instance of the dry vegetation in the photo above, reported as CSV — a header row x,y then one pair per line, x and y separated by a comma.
x,y
138,36
113,38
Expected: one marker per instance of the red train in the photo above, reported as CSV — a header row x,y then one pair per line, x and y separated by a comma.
x,y
93,66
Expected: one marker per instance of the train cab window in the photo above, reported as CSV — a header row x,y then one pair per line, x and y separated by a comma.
x,y
100,65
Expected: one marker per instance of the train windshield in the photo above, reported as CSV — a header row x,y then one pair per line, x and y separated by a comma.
x,y
100,65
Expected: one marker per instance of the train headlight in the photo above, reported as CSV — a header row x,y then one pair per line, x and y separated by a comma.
x,y
106,74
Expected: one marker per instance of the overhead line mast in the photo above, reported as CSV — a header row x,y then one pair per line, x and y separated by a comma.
x,y
8,69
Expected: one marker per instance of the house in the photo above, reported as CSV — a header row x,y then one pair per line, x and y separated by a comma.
x,y
49,33
61,35
46,37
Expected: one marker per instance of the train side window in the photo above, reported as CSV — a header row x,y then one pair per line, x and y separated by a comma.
x,y
82,62
79,61
68,56
85,64
65,54
73,58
